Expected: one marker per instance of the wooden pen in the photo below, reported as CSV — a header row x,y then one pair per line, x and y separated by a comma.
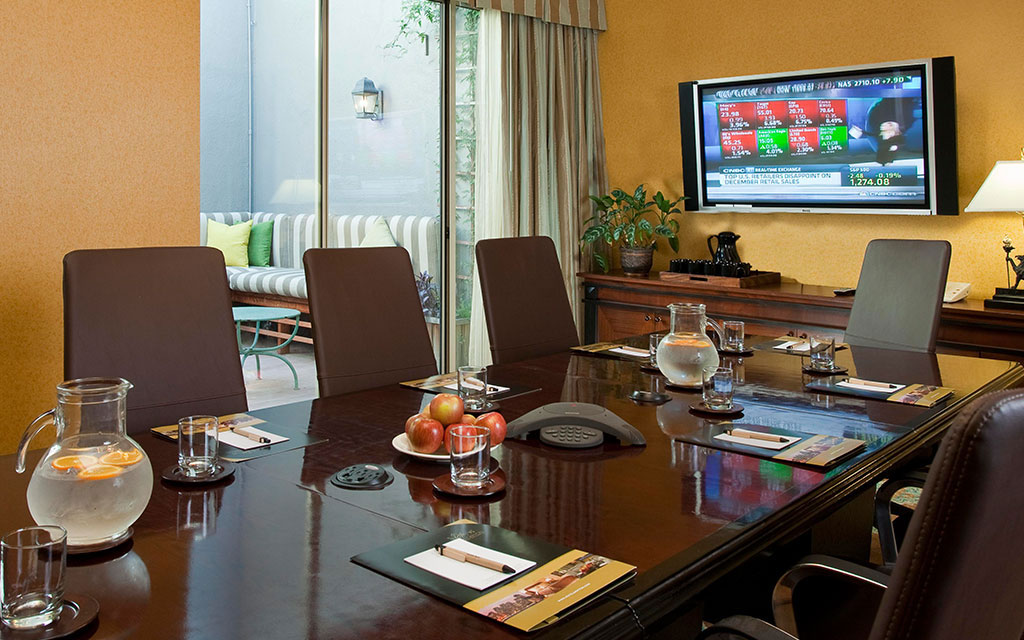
x,y
462,556
869,383
250,435
754,435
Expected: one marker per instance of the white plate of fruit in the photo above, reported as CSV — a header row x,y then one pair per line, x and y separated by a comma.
x,y
424,435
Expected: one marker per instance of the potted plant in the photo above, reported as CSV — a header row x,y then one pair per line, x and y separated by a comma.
x,y
622,219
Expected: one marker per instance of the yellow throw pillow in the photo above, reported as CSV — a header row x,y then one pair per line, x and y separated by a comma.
x,y
232,240
378,234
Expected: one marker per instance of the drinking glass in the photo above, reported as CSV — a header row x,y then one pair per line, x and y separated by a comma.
x,y
822,352
653,340
473,387
32,561
197,445
470,448
733,332
717,388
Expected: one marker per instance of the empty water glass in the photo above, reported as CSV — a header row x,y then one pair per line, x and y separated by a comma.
x,y
32,563
822,352
197,445
653,340
717,388
470,455
472,383
733,333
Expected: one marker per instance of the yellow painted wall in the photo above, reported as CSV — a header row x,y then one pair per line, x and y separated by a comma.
x,y
99,147
653,45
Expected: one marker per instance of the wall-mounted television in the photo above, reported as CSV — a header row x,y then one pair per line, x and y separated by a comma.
x,y
877,138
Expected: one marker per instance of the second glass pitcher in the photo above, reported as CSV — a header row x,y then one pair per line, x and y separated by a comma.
x,y
687,351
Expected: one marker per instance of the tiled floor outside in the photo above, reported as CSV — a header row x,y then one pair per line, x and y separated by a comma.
x,y
276,386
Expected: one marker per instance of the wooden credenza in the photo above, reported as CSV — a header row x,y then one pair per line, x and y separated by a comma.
x,y
617,306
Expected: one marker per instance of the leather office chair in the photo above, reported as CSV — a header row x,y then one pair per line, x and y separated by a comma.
x,y
527,310
159,317
368,326
962,573
899,295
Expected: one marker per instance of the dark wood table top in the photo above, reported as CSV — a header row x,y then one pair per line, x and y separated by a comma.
x,y
267,553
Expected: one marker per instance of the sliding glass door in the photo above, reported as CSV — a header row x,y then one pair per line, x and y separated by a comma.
x,y
386,131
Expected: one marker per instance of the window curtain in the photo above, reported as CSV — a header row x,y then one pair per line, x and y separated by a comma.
x,y
551,143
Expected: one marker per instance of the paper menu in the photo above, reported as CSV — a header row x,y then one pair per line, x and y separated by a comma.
x,y
465,573
241,442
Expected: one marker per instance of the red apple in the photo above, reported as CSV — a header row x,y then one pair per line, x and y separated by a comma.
x,y
468,419
425,435
496,423
447,408
414,418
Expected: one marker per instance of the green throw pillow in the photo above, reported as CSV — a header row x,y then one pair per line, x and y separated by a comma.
x,y
378,235
232,240
260,239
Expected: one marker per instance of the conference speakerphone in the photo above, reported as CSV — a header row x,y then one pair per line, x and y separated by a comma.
x,y
575,425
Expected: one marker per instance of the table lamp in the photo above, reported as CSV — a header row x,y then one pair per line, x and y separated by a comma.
x,y
1003,190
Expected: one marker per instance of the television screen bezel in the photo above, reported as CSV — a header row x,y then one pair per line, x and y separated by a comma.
x,y
939,139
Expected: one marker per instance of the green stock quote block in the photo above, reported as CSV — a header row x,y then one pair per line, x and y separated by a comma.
x,y
772,143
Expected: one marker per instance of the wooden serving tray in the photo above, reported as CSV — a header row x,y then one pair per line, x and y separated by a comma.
x,y
755,279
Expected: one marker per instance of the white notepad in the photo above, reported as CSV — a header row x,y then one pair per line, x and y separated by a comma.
x,y
241,442
794,345
471,575
893,388
755,442
491,388
631,351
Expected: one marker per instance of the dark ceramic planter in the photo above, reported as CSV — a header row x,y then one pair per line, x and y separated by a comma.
x,y
636,261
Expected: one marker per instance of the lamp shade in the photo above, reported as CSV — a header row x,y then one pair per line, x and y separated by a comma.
x,y
1003,189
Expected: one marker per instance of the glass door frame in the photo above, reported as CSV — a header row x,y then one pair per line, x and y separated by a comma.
x,y
447,163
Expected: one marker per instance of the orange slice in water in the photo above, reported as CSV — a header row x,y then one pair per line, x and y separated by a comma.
x,y
122,458
100,472
66,463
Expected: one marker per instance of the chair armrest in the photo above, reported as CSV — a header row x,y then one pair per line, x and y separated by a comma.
x,y
820,566
883,510
744,627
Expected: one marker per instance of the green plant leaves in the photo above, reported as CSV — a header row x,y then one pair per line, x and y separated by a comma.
x,y
620,217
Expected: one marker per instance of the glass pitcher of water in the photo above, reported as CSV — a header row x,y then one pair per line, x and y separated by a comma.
x,y
94,480
687,351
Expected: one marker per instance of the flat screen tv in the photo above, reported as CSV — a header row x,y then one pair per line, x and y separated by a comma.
x,y
875,138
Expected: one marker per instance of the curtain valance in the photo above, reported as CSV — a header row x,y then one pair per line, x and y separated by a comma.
x,y
588,14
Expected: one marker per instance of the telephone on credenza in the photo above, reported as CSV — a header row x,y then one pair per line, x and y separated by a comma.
x,y
956,291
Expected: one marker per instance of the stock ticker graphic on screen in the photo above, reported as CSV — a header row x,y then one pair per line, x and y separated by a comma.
x,y
824,140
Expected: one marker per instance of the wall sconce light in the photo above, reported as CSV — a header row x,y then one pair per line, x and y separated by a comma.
x,y
368,100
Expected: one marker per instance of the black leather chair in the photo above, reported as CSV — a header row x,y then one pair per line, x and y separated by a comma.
x,y
899,295
159,317
368,325
527,310
961,574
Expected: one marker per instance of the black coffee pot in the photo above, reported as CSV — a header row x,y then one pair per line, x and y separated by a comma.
x,y
726,252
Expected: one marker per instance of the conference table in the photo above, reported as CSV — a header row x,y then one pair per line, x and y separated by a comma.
x,y
266,554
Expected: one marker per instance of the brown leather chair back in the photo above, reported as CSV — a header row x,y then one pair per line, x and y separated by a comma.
x,y
159,317
368,325
960,573
528,313
899,295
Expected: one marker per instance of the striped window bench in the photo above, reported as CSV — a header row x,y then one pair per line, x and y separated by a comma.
x,y
283,284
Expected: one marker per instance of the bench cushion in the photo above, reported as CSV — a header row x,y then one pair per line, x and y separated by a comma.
x,y
277,281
